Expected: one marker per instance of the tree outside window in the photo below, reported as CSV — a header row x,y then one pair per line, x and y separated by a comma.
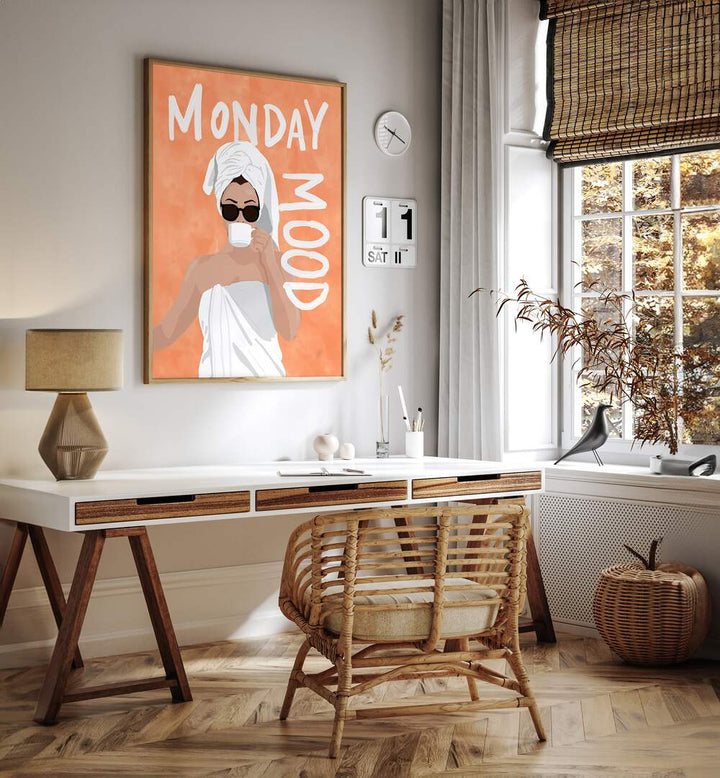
x,y
651,226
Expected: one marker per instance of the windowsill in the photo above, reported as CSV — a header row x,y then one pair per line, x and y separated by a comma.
x,y
631,482
629,452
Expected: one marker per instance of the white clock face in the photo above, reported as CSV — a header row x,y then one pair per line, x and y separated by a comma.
x,y
392,133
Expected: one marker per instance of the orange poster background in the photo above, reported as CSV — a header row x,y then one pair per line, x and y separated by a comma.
x,y
185,222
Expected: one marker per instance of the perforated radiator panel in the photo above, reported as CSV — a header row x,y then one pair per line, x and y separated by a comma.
x,y
578,537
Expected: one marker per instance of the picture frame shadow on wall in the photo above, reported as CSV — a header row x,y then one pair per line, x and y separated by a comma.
x,y
244,225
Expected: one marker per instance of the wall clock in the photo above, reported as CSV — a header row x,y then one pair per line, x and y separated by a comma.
x,y
392,133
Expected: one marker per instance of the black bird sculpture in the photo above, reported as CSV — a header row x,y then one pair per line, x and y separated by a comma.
x,y
593,437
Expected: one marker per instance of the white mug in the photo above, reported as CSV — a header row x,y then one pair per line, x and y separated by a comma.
x,y
239,234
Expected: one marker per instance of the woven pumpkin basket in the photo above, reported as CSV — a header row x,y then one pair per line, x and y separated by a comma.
x,y
652,616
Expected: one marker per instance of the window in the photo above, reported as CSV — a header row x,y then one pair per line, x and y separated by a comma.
x,y
651,226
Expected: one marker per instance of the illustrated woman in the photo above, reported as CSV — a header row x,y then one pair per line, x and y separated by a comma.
x,y
237,293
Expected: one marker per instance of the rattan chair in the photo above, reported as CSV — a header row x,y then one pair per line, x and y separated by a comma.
x,y
403,581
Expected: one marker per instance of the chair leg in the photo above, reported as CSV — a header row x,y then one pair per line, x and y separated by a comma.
x,y
342,696
537,721
338,726
464,645
292,683
516,663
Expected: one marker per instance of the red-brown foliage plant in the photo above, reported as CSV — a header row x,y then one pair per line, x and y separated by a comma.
x,y
625,361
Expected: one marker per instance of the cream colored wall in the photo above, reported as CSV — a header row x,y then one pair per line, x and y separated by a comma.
x,y
71,234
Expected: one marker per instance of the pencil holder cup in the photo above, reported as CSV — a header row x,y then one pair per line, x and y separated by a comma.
x,y
414,444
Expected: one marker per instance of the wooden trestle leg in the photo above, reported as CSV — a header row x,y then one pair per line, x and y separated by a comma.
x,y
160,617
47,571
7,581
51,581
540,619
53,693
541,622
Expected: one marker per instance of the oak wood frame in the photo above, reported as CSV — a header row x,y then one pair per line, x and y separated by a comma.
x,y
70,615
147,222
310,573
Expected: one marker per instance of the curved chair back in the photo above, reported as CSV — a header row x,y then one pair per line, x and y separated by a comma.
x,y
432,550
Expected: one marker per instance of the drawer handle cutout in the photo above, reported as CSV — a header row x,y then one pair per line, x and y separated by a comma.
x,y
466,478
333,488
163,500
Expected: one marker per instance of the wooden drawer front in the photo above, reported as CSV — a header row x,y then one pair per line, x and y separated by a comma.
x,y
476,484
332,494
169,507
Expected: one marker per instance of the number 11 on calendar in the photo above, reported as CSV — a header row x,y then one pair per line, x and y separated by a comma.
x,y
390,227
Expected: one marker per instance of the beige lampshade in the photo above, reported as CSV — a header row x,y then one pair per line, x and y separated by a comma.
x,y
73,360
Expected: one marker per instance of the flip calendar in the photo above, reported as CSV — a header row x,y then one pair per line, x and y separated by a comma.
x,y
389,232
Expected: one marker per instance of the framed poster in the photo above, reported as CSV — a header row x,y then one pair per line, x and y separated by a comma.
x,y
244,225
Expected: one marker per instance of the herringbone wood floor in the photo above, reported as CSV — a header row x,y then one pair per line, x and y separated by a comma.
x,y
603,719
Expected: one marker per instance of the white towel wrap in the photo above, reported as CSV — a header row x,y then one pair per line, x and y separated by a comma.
x,y
241,158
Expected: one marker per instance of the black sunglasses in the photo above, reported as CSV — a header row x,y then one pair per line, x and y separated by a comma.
x,y
230,212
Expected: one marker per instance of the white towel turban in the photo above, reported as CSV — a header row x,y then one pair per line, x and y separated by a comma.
x,y
241,158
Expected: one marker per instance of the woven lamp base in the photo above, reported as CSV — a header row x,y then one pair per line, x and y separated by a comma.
x,y
73,446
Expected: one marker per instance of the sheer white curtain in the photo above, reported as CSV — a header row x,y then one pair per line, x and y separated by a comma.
x,y
469,403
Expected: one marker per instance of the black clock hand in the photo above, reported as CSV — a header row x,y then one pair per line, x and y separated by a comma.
x,y
394,133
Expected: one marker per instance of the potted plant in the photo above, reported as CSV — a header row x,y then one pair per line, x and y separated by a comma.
x,y
627,359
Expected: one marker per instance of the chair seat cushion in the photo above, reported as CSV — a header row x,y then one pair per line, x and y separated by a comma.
x,y
389,624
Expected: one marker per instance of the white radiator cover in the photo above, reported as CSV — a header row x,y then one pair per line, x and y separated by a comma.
x,y
579,536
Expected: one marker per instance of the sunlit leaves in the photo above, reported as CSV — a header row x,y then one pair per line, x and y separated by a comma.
x,y
701,250
601,188
651,183
653,252
700,178
601,261
660,210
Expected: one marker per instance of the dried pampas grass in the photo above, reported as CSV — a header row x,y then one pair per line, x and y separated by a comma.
x,y
386,351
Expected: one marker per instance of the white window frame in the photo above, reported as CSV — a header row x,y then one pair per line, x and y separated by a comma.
x,y
620,449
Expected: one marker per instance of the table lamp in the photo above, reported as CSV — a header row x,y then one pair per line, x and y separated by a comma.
x,y
73,362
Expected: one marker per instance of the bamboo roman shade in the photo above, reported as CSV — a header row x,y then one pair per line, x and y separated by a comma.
x,y
631,77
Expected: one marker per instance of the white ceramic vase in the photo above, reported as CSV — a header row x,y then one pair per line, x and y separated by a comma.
x,y
325,446
347,451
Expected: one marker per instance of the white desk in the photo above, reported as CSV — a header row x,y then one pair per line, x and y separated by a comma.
x,y
127,498
125,503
